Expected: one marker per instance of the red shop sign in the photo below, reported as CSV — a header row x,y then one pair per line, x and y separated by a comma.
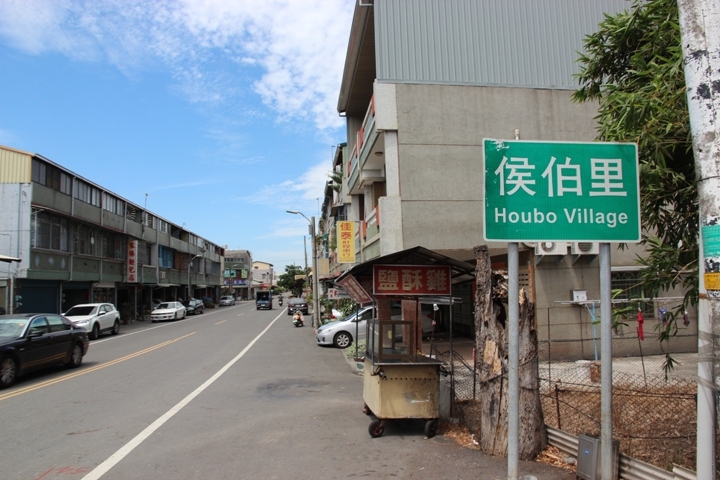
x,y
411,280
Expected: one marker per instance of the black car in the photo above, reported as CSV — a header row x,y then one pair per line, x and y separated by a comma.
x,y
297,304
194,306
32,341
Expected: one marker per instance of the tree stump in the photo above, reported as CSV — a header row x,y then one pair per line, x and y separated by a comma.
x,y
492,358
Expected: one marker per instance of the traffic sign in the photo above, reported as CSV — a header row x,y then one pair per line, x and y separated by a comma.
x,y
569,191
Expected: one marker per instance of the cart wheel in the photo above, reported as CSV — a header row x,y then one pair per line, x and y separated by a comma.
x,y
376,428
431,428
366,410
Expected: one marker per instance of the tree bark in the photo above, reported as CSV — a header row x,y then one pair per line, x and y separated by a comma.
x,y
491,346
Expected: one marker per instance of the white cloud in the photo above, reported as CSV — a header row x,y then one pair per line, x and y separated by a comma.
x,y
298,45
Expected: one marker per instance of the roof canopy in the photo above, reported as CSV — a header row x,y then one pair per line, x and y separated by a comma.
x,y
461,271
5,258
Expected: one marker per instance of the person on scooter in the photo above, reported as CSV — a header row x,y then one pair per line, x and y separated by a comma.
x,y
297,317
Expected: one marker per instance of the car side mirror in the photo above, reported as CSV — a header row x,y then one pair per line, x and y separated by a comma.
x,y
35,333
101,313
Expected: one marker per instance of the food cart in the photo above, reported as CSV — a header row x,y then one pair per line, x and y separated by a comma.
x,y
399,382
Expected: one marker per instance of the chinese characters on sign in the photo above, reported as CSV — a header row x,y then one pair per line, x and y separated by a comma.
x,y
538,191
411,280
132,263
346,242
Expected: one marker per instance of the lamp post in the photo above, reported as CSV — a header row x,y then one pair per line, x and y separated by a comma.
x,y
316,288
189,295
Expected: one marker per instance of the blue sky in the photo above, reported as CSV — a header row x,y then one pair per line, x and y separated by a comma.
x,y
221,113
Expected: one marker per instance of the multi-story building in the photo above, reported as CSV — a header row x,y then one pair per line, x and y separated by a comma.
x,y
263,275
424,84
237,273
79,242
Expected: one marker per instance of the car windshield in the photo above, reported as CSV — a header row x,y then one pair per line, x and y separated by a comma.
x,y
297,301
77,311
164,305
12,327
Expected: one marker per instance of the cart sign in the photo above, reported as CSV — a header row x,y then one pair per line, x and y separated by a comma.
x,y
356,291
411,280
536,191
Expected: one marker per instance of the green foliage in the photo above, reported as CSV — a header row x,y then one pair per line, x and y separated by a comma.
x,y
287,281
350,351
633,67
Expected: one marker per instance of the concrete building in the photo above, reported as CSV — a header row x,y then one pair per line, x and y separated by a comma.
x,y
79,242
263,275
237,273
424,83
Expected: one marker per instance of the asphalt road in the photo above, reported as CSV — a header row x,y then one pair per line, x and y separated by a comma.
x,y
233,393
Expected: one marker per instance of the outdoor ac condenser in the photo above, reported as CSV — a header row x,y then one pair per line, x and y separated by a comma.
x,y
588,458
585,248
551,248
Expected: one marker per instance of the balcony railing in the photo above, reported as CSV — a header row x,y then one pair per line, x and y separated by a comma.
x,y
362,146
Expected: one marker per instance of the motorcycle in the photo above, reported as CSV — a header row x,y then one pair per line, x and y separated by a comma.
x,y
280,301
297,319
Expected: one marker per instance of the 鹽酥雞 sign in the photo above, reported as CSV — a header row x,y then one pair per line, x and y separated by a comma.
x,y
537,191
411,280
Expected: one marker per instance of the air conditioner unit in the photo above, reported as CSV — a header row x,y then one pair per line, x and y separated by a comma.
x,y
585,248
551,248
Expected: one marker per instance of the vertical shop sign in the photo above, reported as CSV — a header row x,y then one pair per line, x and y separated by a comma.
x,y
346,242
132,264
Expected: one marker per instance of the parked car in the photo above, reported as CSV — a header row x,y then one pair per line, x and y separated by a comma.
x,y
342,332
194,306
227,300
297,304
96,318
30,341
168,311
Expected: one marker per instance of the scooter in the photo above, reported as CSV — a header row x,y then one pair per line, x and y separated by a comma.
x,y
298,319
280,301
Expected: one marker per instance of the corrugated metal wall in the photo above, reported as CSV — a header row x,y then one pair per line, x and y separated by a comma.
x,y
15,166
529,43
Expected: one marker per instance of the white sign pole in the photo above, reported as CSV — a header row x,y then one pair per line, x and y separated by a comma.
x,y
513,360
606,430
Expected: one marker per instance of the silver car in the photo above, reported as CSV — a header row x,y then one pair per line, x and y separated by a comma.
x,y
227,300
342,332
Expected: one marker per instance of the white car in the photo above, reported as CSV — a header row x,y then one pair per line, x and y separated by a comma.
x,y
168,311
95,318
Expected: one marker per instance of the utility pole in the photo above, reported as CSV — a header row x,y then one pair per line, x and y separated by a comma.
x,y
700,37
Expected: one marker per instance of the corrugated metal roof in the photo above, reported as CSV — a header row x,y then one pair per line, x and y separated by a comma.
x,y
15,165
485,42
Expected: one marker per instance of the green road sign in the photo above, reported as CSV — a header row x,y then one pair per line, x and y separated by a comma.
x,y
573,192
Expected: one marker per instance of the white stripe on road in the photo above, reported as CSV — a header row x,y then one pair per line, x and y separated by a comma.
x,y
113,460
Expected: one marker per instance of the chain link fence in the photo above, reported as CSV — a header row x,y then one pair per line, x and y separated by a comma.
x,y
654,412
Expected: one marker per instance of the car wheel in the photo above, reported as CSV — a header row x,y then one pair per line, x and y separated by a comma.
x,y
8,371
175,316
342,340
76,356
202,310
94,332
116,327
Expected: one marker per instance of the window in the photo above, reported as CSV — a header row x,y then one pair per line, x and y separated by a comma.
x,y
39,325
629,284
56,323
85,240
50,232
112,245
165,257
87,193
112,204
51,177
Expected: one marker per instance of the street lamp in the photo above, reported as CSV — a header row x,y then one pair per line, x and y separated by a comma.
x,y
316,288
189,295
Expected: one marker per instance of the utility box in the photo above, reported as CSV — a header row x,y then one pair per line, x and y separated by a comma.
x,y
588,459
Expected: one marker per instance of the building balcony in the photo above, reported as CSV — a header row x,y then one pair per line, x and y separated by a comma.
x,y
367,161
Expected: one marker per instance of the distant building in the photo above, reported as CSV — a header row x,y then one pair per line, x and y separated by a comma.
x,y
79,242
237,273
263,275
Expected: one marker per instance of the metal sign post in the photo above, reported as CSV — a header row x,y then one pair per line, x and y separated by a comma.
x,y
572,192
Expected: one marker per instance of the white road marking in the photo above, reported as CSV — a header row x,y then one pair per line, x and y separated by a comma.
x,y
113,460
